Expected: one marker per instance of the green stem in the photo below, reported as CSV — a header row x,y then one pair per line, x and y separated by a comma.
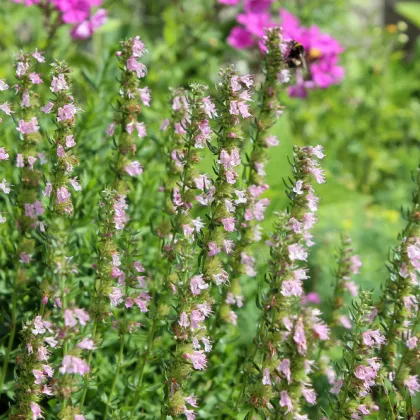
x,y
142,364
11,336
114,381
388,399
87,376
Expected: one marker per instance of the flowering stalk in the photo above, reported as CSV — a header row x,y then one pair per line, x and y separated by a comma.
x,y
192,300
195,298
63,161
222,197
251,208
127,126
35,373
28,204
113,208
359,371
286,334
398,308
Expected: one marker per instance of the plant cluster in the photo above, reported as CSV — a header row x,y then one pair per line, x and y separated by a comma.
x,y
132,311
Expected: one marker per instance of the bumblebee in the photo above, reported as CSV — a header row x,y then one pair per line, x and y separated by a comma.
x,y
296,56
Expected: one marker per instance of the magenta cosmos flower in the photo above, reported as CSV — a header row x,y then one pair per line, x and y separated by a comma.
x,y
322,50
78,13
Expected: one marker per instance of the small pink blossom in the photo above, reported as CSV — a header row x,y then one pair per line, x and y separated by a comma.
x,y
412,343
345,322
197,284
115,296
291,288
73,364
221,278
47,108
355,264
145,95
3,85
59,83
337,387
198,359
39,376
297,252
21,68
5,186
285,401
70,141
284,368
321,330
36,411
38,56
3,154
48,190
352,287
228,224
271,141
183,320
300,338
6,108
24,258
213,249
134,168
28,127
35,78
139,68
62,195
111,129
67,112
86,344
266,380
309,394
373,338
412,384
209,107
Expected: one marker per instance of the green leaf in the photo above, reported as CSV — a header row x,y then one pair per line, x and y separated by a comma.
x,y
410,10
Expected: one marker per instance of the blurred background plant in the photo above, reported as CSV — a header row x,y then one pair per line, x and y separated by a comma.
x,y
368,121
